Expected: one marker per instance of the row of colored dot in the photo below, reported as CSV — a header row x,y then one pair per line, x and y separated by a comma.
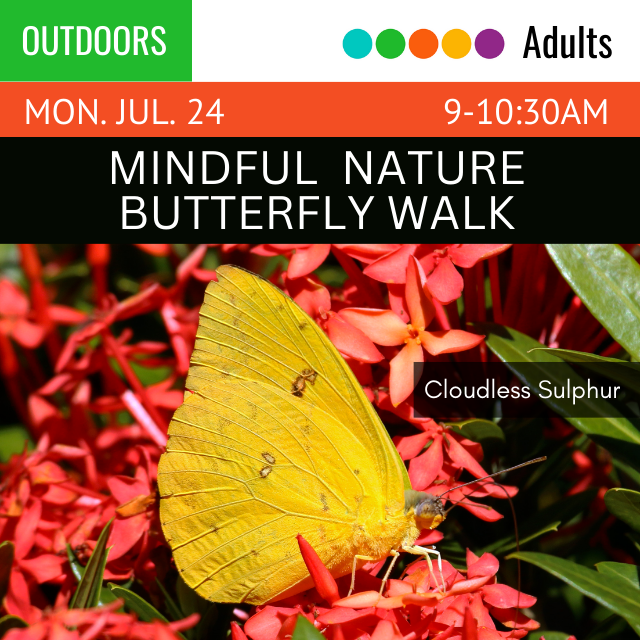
x,y
423,43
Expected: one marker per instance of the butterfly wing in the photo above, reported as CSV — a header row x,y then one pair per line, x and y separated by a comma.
x,y
277,439
250,330
247,468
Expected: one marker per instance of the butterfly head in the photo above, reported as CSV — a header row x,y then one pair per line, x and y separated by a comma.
x,y
426,509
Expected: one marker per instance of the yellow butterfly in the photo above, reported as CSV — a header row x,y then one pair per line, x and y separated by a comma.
x,y
276,438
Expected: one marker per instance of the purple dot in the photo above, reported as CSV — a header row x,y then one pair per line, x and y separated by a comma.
x,y
489,43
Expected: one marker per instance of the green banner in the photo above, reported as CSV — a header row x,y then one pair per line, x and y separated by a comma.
x,y
70,40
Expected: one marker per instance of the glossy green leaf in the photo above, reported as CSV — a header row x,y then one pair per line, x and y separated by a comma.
x,y
7,552
87,594
617,434
145,611
628,572
613,592
625,372
11,622
486,432
304,630
624,504
606,279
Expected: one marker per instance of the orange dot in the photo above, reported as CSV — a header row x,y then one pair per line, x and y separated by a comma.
x,y
423,43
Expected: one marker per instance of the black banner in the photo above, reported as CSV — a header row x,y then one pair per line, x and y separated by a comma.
x,y
342,189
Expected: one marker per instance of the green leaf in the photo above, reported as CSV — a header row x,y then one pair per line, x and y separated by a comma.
x,y
145,611
11,622
7,552
625,372
606,278
617,434
548,635
76,566
624,504
87,594
486,432
628,572
304,630
78,571
612,592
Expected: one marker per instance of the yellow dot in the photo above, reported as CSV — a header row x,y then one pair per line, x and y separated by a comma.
x,y
456,43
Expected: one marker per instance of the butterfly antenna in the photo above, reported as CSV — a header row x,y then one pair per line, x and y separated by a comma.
x,y
497,473
515,523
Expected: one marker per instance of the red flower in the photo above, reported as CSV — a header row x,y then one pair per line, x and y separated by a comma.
x,y
443,279
100,623
411,608
387,328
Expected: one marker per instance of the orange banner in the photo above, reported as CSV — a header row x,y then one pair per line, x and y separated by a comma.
x,y
370,109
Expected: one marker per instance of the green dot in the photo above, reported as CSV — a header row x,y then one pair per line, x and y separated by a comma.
x,y
390,43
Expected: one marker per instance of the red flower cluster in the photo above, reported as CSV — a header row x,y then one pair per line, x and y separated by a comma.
x,y
411,609
101,622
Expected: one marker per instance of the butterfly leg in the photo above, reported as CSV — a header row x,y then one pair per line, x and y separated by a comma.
x,y
353,570
395,555
426,551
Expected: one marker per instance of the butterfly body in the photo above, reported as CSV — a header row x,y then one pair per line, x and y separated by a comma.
x,y
275,439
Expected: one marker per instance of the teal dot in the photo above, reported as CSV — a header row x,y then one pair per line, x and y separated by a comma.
x,y
390,43
357,44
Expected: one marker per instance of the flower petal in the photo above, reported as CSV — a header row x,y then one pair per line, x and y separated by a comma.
x,y
445,283
392,268
410,446
25,532
466,255
45,567
402,379
66,315
340,615
386,630
487,566
424,469
352,342
418,297
398,302
27,333
306,260
382,326
361,600
309,294
505,597
323,580
265,624
469,626
514,619
452,341
236,632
